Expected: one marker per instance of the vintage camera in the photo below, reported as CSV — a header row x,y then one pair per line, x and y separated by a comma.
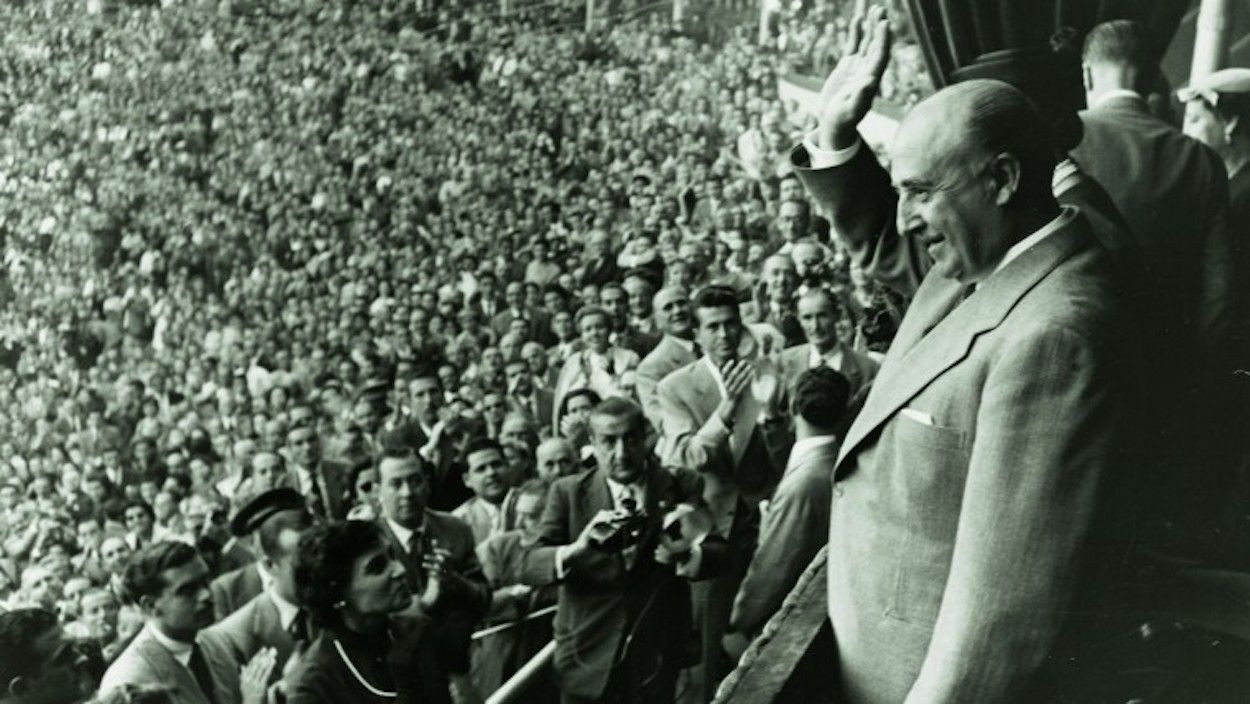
x,y
627,530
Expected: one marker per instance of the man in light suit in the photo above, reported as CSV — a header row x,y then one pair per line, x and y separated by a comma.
x,y
273,619
169,583
711,420
971,522
819,313
795,521
1173,191
671,309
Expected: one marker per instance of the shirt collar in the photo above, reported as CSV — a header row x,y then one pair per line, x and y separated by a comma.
x,y
404,535
687,345
835,356
1117,94
806,446
179,650
286,610
618,490
1048,229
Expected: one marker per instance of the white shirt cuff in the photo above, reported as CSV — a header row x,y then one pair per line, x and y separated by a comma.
x,y
561,553
828,158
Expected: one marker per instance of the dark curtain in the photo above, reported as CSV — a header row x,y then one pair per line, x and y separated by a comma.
x,y
959,35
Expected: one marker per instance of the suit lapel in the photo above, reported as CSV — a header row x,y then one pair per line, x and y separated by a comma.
x,y
165,668
931,340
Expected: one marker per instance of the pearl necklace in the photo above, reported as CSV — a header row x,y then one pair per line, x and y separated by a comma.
x,y
359,678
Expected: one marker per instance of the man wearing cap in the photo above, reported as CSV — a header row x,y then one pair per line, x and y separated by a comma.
x,y
273,618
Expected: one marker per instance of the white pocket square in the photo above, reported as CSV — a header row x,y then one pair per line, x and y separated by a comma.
x,y
918,416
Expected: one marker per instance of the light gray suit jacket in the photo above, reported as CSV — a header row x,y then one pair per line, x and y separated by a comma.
x,y
793,529
243,633
858,368
146,662
667,356
967,522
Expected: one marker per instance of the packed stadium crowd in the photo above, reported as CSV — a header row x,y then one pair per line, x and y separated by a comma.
x,y
262,245
372,351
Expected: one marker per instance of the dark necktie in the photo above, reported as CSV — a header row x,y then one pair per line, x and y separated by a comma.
x,y
199,669
299,628
416,549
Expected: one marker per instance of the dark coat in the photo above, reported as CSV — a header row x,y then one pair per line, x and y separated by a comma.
x,y
234,589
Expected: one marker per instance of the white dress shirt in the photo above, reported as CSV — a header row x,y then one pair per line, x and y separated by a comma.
x,y
179,650
803,448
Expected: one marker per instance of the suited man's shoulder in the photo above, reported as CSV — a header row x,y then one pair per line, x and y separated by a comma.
x,y
678,381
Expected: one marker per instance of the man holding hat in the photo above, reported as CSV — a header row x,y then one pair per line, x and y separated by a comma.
x,y
272,619
1217,113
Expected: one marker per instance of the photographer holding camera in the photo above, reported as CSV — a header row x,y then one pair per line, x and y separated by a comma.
x,y
622,614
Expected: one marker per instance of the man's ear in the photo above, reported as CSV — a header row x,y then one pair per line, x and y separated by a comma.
x,y
1230,127
1087,77
17,687
1005,174
146,604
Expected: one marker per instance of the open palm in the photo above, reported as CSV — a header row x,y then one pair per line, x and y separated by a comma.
x,y
849,90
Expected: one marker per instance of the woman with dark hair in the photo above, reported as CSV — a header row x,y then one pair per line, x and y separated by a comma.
x,y
353,586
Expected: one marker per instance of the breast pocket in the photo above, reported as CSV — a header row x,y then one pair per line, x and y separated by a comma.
x,y
930,467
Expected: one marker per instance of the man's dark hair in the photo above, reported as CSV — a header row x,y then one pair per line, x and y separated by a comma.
x,y
18,630
716,297
402,452
803,205
820,396
147,508
578,393
617,407
269,532
142,574
533,487
1121,42
480,443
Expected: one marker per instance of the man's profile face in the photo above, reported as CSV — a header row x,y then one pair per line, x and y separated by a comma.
x,y
945,200
719,332
402,490
618,444
185,604
819,319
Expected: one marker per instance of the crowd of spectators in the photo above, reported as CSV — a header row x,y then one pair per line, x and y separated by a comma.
x,y
246,239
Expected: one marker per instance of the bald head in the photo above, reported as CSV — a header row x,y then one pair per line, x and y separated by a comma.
x,y
671,307
973,166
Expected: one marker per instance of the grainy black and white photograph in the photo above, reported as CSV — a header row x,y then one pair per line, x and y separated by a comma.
x,y
625,352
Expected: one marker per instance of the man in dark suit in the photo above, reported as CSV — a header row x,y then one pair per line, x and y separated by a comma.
x,y
1173,191
994,428
438,552
675,350
623,618
615,300
273,619
168,582
795,521
537,321
534,402
322,484
819,313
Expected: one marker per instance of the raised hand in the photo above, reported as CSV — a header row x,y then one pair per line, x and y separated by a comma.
x,y
254,677
848,92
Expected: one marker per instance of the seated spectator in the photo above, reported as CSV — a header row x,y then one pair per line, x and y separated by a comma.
x,y
489,478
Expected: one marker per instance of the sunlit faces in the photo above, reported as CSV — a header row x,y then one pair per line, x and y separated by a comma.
x,y
555,458
595,330
184,605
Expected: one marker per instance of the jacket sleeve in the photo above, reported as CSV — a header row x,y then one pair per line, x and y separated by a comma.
x,y
684,441
1047,434
861,206
793,529
538,565
648,395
